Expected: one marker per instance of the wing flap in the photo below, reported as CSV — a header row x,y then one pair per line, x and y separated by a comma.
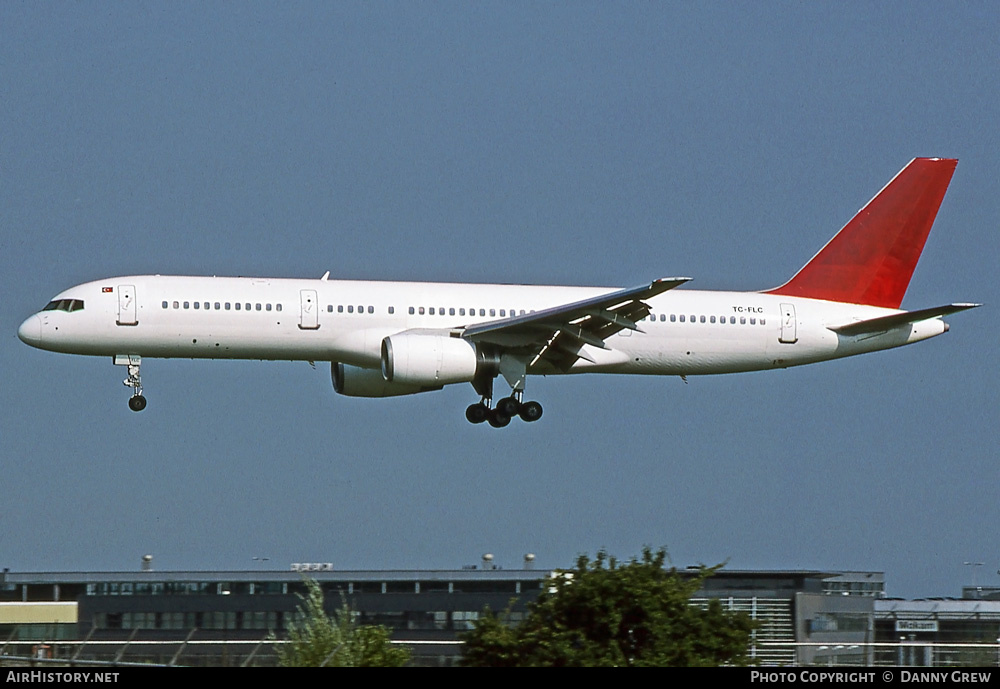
x,y
557,335
558,316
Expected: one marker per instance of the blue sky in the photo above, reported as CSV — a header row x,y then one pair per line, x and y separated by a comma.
x,y
566,143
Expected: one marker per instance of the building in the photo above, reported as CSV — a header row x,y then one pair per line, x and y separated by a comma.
x,y
228,617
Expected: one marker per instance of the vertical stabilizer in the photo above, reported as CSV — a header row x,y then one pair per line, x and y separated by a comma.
x,y
871,260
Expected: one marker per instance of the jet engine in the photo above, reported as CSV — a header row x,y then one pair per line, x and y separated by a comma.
x,y
353,381
424,359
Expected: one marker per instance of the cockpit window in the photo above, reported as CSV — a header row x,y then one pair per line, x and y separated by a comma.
x,y
67,305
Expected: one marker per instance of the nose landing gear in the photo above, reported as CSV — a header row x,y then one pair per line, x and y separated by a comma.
x,y
136,402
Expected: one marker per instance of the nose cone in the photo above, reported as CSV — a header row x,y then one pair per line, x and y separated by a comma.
x,y
30,331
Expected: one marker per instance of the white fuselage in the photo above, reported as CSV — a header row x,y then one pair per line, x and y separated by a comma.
x,y
689,332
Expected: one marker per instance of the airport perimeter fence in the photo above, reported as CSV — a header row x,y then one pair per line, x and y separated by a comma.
x,y
187,653
262,653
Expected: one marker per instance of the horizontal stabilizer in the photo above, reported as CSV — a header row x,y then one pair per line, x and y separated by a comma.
x,y
883,323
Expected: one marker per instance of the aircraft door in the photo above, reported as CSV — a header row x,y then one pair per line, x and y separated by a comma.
x,y
309,316
126,306
788,325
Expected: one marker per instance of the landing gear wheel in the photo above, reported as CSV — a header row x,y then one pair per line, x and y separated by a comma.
x,y
498,419
508,406
137,403
530,411
477,413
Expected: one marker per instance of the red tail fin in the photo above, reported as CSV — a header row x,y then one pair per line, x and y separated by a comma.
x,y
871,260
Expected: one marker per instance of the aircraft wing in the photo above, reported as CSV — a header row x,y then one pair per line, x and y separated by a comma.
x,y
883,323
558,334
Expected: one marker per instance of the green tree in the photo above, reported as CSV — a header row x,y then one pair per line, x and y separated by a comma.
x,y
604,613
317,639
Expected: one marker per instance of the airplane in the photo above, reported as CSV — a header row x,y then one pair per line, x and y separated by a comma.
x,y
384,339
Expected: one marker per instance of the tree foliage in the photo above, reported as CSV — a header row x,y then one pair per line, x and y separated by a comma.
x,y
317,639
604,613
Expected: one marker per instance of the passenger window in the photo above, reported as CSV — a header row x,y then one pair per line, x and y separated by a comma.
x,y
682,318
207,306
247,305
753,321
329,308
421,310
371,309
258,306
702,319
482,312
411,310
451,311
502,313
762,321
187,305
493,312
196,305
239,306
267,307
432,310
227,306
712,319
164,304
743,320
461,312
673,318
277,307
218,306
177,305
692,319
392,309
350,308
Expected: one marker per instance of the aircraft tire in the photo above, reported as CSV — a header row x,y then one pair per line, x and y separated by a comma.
x,y
530,411
498,419
508,406
476,413
137,403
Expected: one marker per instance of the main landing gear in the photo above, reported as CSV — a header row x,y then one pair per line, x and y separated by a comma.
x,y
505,409
136,402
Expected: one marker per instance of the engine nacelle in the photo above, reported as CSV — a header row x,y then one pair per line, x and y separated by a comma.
x,y
413,358
353,381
